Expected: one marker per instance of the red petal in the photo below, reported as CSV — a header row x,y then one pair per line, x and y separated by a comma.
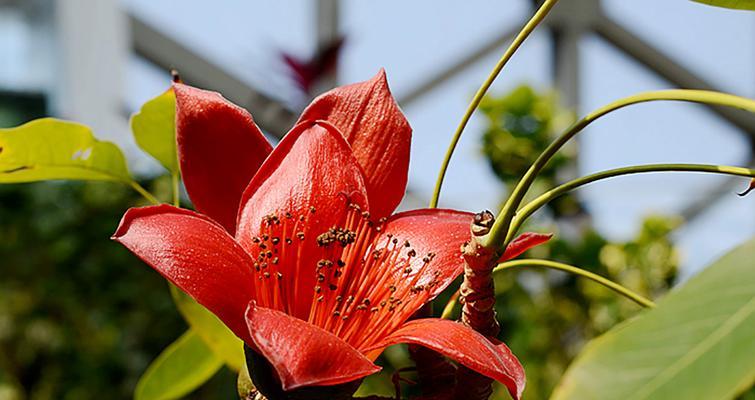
x,y
523,243
303,354
378,132
194,253
311,167
465,346
437,231
219,149
413,257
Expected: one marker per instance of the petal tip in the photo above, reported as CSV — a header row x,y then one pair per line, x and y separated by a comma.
x,y
382,75
524,242
125,223
380,82
271,331
137,212
179,88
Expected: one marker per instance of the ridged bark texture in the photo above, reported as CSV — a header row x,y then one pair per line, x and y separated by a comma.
x,y
477,296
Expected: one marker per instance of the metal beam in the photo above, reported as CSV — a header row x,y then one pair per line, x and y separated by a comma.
x,y
496,44
168,53
328,26
567,22
669,70
328,32
90,68
566,65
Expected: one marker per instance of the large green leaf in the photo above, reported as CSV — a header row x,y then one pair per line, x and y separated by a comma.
x,y
182,367
737,4
49,148
214,333
699,343
154,128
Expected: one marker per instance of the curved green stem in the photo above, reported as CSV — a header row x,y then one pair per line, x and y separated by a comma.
x,y
499,232
523,213
520,38
176,189
449,308
142,191
531,262
637,298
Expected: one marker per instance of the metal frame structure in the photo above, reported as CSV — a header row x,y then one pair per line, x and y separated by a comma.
x,y
272,116
168,53
567,24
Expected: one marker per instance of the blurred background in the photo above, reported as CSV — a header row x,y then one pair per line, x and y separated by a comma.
x,y
81,319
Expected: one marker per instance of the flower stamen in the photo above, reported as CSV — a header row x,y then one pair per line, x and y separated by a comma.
x,y
366,281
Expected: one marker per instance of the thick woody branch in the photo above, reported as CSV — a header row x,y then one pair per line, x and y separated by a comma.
x,y
477,296
477,291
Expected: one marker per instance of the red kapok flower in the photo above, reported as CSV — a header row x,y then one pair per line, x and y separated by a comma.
x,y
297,251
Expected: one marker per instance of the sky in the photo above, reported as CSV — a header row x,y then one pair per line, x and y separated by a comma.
x,y
413,39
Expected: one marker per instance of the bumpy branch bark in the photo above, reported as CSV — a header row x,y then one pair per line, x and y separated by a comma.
x,y
477,296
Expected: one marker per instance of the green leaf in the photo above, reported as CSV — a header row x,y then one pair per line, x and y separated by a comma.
x,y
244,385
48,148
377,385
697,344
154,128
736,4
213,332
182,367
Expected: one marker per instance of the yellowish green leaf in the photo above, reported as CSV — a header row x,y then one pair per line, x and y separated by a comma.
x,y
154,128
736,4
212,331
181,368
48,148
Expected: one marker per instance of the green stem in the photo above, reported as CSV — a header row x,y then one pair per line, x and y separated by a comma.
x,y
637,298
523,213
176,189
520,38
499,232
142,191
449,308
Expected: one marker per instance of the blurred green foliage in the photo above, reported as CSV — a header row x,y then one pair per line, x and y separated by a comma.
x,y
17,108
546,316
80,317
519,126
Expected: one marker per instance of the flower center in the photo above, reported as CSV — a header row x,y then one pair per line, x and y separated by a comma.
x,y
365,282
